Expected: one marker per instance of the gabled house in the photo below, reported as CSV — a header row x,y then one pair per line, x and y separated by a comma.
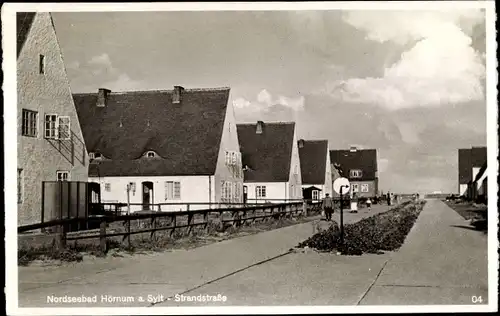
x,y
49,141
271,162
315,168
479,187
170,146
360,167
470,161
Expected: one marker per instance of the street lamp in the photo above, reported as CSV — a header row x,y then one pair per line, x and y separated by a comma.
x,y
342,187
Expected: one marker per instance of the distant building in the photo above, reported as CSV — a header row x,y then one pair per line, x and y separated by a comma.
x,y
271,161
360,167
169,146
315,168
49,142
480,185
470,161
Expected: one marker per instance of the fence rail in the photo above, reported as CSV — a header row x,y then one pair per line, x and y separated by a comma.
x,y
154,221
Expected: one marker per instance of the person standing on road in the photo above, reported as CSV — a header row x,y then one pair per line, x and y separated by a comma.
x,y
328,207
369,203
389,198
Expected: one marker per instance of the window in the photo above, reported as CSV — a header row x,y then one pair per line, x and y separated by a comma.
x,y
131,187
57,127
355,173
97,156
150,154
107,187
364,188
91,156
261,191
315,195
41,64
177,190
50,125
19,186
172,190
355,187
228,158
29,124
233,158
62,175
223,190
63,128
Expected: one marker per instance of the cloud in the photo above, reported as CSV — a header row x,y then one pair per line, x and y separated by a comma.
x,y
440,67
101,60
266,103
124,83
99,72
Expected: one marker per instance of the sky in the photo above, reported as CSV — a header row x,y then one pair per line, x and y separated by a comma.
x,y
410,84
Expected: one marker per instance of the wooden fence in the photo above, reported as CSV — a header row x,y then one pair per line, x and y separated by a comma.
x,y
116,225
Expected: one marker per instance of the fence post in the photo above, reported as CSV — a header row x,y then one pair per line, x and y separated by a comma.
x,y
205,219
60,241
153,224
102,235
173,224
128,233
190,222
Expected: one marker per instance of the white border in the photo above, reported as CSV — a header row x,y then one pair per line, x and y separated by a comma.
x,y
10,98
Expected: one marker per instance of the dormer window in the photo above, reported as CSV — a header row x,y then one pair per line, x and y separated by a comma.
x,y
355,173
94,155
150,154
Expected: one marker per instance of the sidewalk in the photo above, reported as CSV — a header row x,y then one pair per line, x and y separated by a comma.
x,y
166,273
443,261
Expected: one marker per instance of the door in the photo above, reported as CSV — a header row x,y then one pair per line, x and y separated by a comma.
x,y
147,195
94,190
245,194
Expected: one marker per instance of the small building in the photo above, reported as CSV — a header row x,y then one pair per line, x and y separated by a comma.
x,y
479,187
470,161
360,167
315,168
50,145
271,162
168,147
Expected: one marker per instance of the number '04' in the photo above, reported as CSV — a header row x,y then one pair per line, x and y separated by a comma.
x,y
477,299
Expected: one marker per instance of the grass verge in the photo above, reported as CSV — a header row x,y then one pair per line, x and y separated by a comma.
x,y
163,241
382,232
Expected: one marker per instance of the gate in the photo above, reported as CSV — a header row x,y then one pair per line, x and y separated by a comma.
x,y
65,200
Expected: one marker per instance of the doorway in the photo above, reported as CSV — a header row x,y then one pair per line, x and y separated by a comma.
x,y
147,195
245,194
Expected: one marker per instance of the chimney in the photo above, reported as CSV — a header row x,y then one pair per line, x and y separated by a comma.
x,y
301,143
260,125
353,149
177,95
102,97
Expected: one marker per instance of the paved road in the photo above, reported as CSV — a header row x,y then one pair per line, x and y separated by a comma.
x,y
256,270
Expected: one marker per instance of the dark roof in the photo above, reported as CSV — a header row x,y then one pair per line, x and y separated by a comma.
x,y
313,157
24,20
186,136
268,155
469,158
362,159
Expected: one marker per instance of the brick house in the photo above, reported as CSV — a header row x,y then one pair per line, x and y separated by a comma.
x,y
271,161
168,146
49,143
315,168
360,167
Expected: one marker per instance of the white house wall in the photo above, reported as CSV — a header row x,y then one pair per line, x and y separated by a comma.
x,y
275,191
229,142
295,182
47,93
328,187
193,189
